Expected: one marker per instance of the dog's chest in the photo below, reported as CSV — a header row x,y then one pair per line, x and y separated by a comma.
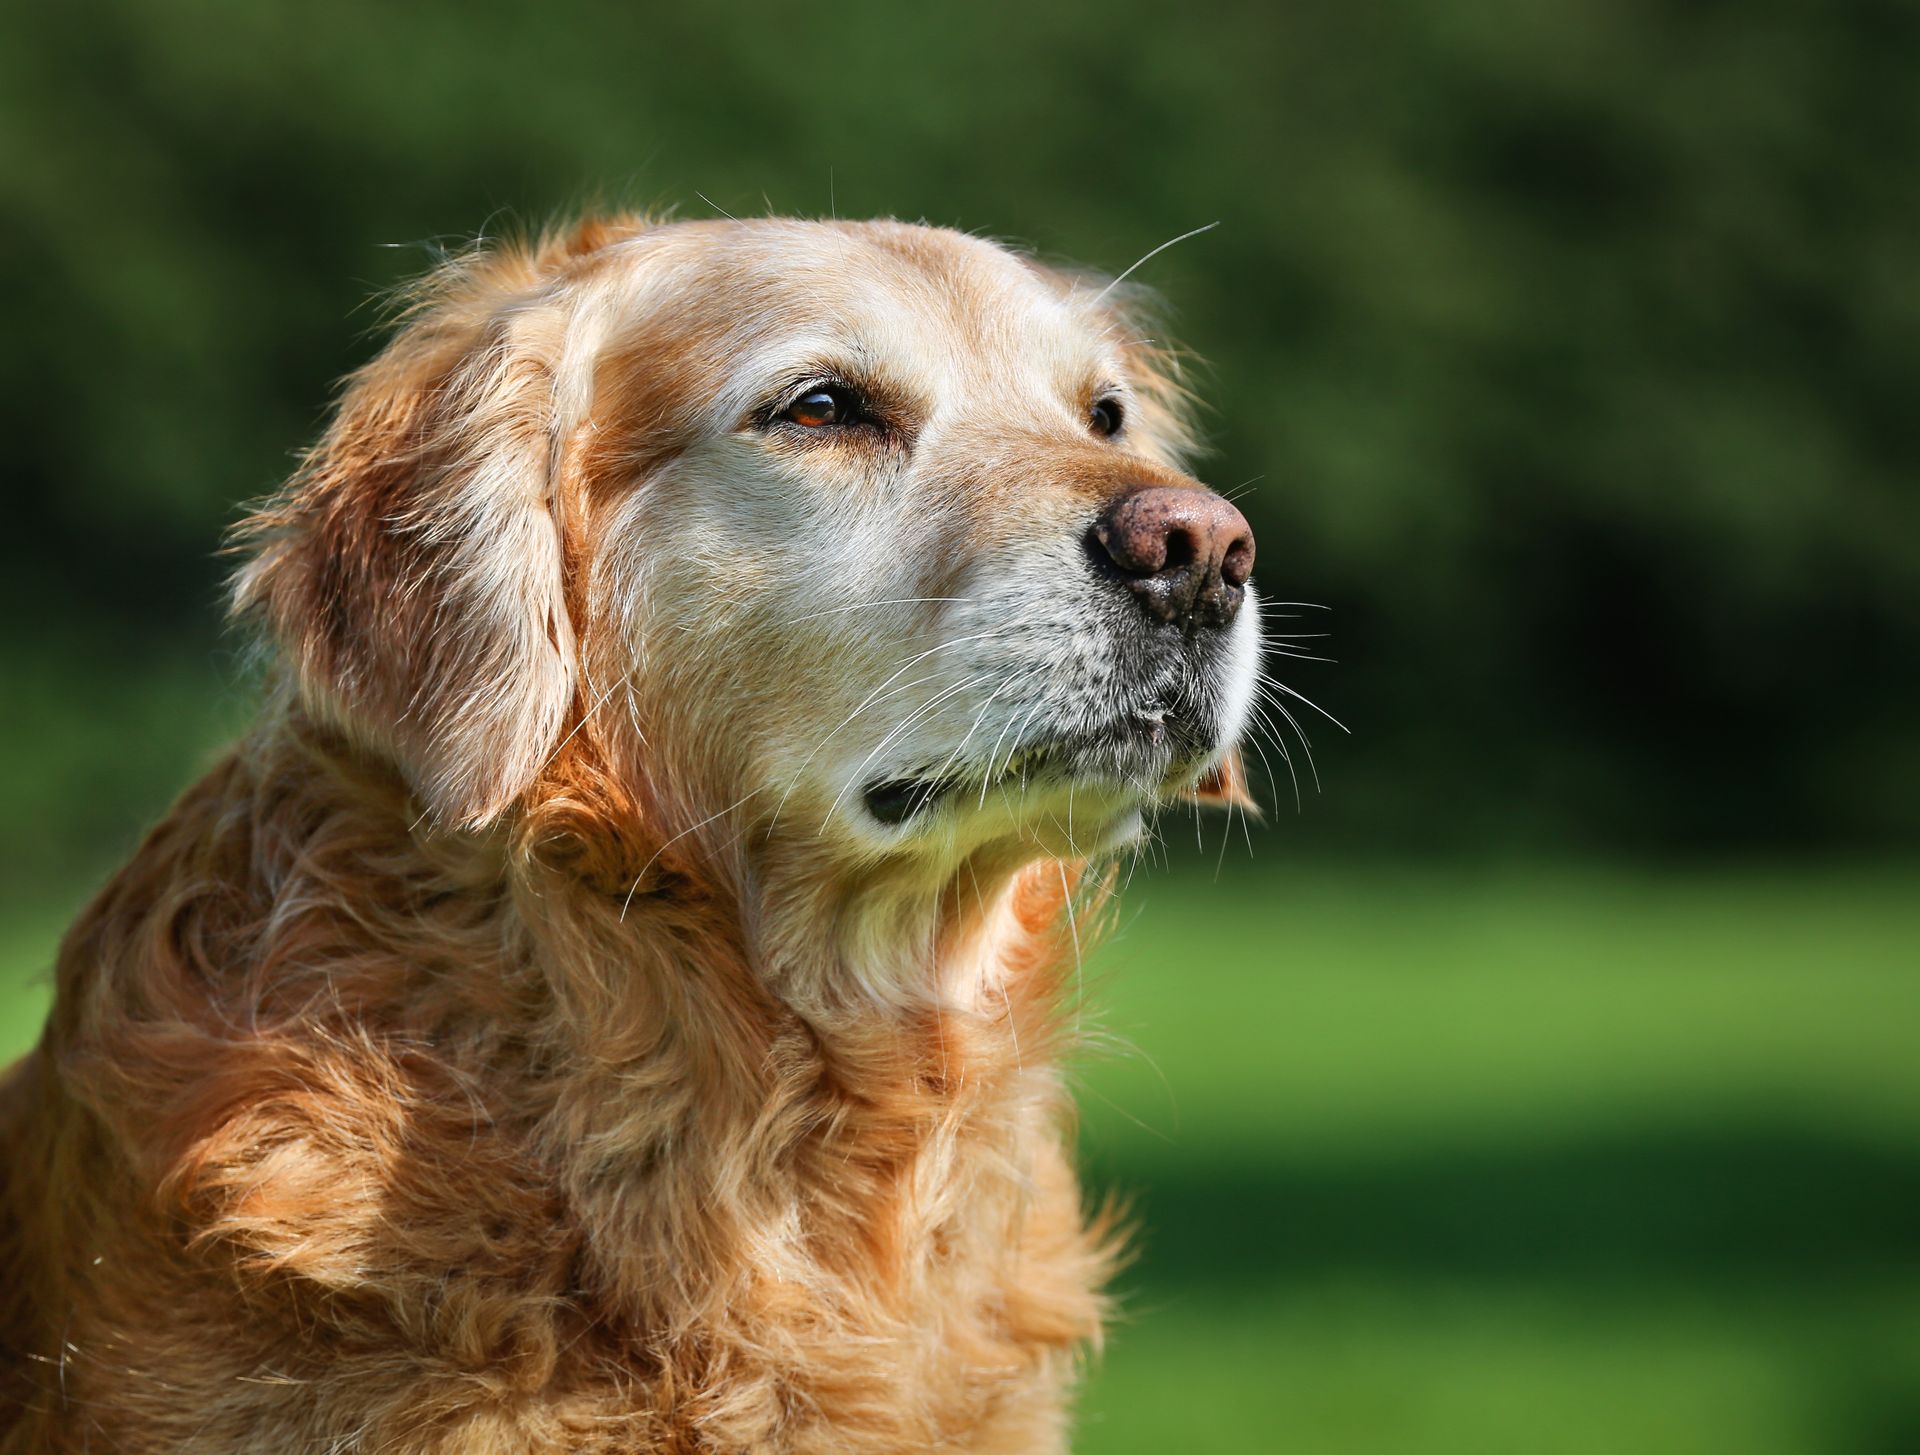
x,y
943,1309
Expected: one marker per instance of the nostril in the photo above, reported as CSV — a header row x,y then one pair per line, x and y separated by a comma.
x,y
1183,549
1237,564
1099,550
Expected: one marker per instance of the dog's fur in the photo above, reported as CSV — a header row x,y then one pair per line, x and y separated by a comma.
x,y
525,1040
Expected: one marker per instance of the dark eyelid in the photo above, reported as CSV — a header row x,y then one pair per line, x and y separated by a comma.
x,y
884,406
872,412
791,391
798,386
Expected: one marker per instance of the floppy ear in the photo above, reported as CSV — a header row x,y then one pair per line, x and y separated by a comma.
x,y
1224,785
411,569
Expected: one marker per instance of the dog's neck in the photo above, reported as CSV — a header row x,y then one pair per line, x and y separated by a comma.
x,y
781,1046
772,939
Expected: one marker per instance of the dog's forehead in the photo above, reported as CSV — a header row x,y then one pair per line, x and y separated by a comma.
x,y
891,292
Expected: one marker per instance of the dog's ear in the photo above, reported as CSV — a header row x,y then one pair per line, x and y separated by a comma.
x,y
412,568
1224,785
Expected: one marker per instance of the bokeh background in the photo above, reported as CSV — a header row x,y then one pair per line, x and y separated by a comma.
x,y
1549,1078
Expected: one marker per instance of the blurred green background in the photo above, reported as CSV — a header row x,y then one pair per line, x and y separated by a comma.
x,y
1549,1081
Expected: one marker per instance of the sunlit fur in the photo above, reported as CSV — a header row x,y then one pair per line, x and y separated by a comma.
x,y
525,1040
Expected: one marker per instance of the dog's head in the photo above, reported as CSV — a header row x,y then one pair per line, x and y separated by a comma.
x,y
869,534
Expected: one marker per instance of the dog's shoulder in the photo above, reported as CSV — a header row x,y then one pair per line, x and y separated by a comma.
x,y
279,1068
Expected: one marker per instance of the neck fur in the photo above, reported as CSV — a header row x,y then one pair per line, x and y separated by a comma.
x,y
756,1048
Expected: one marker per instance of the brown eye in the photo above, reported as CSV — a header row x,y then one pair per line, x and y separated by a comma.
x,y
818,408
1105,418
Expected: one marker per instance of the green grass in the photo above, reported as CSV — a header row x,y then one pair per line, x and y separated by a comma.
x,y
27,942
1529,1160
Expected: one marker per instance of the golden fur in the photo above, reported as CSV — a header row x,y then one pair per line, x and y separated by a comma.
x,y
465,1064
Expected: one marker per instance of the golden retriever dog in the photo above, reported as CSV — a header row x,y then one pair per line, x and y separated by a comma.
x,y
611,1000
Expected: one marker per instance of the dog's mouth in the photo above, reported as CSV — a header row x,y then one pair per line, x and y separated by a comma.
x,y
1140,752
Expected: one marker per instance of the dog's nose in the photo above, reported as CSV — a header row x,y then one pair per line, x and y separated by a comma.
x,y
1185,553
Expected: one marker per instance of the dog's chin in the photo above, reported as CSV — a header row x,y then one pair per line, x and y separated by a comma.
x,y
1077,794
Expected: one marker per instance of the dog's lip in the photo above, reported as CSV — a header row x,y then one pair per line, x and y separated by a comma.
x,y
895,802
892,801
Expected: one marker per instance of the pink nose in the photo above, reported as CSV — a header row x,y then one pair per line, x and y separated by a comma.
x,y
1185,553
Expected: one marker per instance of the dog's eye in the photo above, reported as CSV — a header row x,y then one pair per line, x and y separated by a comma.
x,y
1105,418
818,408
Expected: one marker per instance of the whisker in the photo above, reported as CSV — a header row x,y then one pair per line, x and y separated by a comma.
x,y
911,661
645,868
1226,838
1149,257
993,754
1266,724
1012,1029
889,739
978,718
598,703
1079,965
876,695
890,601
1301,733
986,779
1294,654
1298,697
1020,732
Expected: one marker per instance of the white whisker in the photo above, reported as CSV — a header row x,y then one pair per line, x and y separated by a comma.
x,y
690,828
1298,697
1116,281
878,694
879,747
890,601
1079,965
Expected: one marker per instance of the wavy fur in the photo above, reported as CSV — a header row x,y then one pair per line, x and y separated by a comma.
x,y
451,1069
